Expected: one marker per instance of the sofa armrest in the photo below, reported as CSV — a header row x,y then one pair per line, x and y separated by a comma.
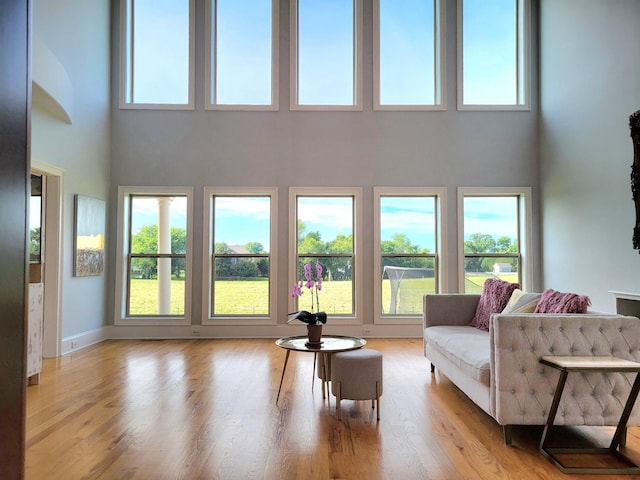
x,y
449,309
522,388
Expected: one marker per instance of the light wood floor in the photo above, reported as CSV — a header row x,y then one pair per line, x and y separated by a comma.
x,y
205,409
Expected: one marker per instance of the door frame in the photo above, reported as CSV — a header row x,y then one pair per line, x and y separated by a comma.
x,y
53,220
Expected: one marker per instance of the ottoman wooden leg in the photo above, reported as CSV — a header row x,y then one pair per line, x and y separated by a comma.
x,y
338,407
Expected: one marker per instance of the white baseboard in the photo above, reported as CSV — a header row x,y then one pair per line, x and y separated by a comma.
x,y
83,340
113,332
257,331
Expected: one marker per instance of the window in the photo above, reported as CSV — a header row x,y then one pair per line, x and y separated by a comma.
x,y
493,54
495,240
326,54
242,53
408,247
408,55
157,51
154,255
325,229
241,275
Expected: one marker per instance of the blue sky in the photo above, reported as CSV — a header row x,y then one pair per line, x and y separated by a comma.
x,y
242,51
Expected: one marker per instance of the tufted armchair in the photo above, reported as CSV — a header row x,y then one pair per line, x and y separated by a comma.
x,y
518,390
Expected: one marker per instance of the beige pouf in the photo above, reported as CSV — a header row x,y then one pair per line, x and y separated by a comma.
x,y
357,375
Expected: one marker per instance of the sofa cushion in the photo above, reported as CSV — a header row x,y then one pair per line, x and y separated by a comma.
x,y
522,302
495,296
553,301
466,347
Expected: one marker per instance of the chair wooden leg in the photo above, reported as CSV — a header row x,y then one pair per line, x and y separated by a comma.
x,y
433,368
378,401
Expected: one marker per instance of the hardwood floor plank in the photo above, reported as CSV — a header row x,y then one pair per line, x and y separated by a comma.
x,y
205,409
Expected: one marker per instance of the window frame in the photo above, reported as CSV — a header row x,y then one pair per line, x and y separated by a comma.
x,y
357,59
440,93
122,256
523,61
210,68
208,252
440,195
126,68
524,229
356,194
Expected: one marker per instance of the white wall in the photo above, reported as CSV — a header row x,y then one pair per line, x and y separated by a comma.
x,y
77,33
364,149
590,84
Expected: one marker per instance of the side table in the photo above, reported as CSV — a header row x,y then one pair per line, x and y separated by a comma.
x,y
330,344
567,364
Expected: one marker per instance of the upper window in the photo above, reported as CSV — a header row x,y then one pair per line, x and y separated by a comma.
x,y
493,59
241,269
495,236
408,249
326,54
154,254
157,45
325,230
242,54
408,55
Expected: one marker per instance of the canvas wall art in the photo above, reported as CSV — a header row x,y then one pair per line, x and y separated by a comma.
x,y
89,235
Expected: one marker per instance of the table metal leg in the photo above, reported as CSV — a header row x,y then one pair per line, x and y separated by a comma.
x,y
630,466
284,369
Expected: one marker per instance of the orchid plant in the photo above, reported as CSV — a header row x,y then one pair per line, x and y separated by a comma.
x,y
314,285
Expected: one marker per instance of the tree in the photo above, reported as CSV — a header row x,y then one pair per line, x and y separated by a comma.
x,y
311,243
246,268
146,241
223,265
254,247
178,245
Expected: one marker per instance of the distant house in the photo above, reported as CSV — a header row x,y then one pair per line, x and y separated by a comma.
x,y
241,249
501,268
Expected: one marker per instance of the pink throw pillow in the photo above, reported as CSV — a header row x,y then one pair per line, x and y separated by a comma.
x,y
560,302
495,296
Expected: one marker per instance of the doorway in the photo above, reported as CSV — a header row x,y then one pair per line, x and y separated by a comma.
x,y
50,255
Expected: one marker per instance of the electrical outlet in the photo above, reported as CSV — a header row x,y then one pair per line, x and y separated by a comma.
x,y
74,344
195,332
366,331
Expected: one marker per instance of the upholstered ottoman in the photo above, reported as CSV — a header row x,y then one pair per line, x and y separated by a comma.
x,y
357,375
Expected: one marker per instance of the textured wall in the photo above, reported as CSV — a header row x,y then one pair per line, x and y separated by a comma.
x,y
77,33
590,84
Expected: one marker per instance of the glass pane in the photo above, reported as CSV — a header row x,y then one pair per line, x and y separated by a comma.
x,y
151,293
241,52
407,48
478,269
336,294
242,224
160,51
152,214
490,55
326,52
491,224
325,224
241,286
407,225
35,219
405,280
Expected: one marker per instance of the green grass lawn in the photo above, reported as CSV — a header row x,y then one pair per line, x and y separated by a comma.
x,y
251,297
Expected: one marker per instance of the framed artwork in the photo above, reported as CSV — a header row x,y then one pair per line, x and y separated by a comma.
x,y
88,238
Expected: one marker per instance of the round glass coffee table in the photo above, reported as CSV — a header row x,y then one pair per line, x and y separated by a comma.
x,y
330,344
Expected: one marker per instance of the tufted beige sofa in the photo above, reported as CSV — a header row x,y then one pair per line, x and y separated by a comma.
x,y
500,371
